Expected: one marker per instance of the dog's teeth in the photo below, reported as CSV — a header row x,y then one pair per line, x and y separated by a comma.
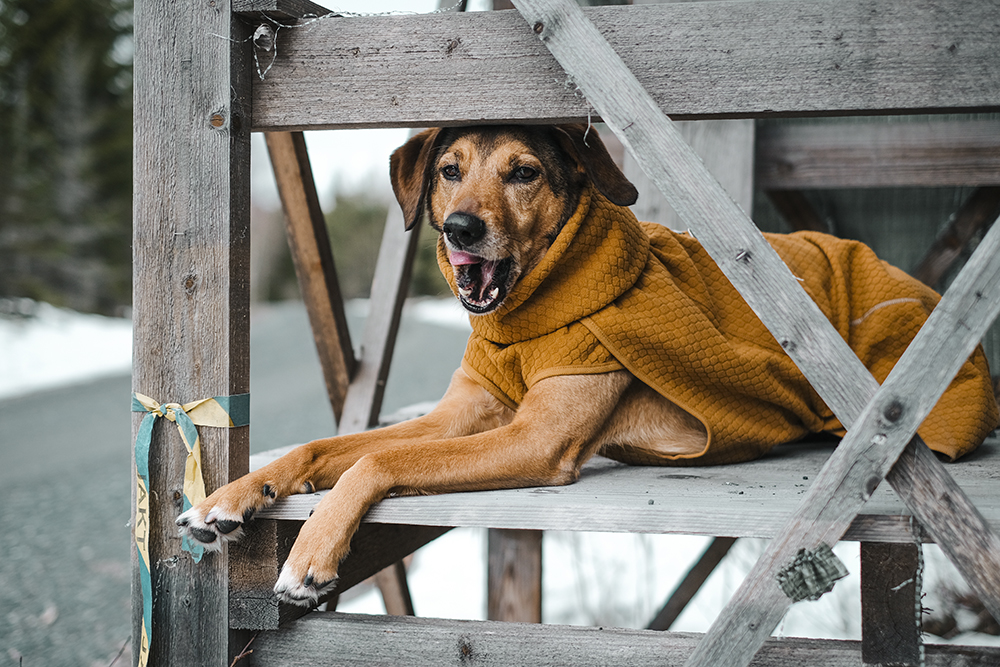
x,y
494,293
465,291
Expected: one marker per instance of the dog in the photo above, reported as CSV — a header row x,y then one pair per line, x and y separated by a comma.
x,y
537,243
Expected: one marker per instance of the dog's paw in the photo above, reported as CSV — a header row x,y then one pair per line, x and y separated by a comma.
x,y
220,519
303,589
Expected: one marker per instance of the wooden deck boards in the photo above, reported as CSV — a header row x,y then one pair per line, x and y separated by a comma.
x,y
751,499
358,639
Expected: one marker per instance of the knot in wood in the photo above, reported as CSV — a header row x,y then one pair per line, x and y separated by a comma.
x,y
217,120
893,412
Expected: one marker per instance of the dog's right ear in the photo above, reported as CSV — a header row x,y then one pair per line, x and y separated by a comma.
x,y
410,169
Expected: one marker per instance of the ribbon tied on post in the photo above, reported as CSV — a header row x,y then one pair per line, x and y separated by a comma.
x,y
219,411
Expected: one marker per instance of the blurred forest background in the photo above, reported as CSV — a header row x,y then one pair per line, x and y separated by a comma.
x,y
66,170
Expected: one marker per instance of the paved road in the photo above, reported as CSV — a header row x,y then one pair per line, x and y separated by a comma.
x,y
65,481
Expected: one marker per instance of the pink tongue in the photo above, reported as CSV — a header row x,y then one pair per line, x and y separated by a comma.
x,y
461,258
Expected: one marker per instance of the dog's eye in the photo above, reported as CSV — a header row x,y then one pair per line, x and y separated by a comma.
x,y
450,172
524,174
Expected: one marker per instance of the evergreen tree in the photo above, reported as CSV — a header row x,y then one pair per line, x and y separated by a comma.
x,y
66,151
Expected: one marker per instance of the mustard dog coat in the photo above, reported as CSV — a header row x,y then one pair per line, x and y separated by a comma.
x,y
614,293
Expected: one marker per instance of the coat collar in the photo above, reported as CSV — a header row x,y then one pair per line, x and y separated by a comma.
x,y
598,255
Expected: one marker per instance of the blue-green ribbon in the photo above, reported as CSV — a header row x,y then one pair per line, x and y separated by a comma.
x,y
220,411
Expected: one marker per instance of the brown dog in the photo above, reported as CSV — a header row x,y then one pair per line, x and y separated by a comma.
x,y
515,208
499,197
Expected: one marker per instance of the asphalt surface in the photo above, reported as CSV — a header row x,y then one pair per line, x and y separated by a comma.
x,y
65,481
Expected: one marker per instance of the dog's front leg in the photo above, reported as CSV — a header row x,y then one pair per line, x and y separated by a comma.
x,y
552,434
465,408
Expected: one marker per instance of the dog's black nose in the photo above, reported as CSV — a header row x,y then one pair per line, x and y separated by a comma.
x,y
463,229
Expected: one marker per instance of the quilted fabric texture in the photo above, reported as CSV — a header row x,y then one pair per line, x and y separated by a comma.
x,y
615,293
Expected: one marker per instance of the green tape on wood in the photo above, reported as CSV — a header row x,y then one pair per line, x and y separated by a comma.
x,y
811,574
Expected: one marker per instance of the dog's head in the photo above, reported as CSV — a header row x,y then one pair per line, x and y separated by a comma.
x,y
499,196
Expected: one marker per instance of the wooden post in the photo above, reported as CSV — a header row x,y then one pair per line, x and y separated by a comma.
x,y
190,295
514,576
890,604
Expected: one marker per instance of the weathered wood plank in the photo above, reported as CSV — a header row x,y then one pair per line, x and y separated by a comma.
x,y
358,640
844,484
254,564
879,155
295,9
691,583
890,604
727,149
698,60
746,500
258,559
514,576
309,243
389,288
978,211
191,250
395,590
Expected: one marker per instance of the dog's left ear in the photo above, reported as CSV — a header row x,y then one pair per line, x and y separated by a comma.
x,y
409,171
589,151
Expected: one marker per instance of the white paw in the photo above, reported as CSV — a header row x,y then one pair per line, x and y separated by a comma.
x,y
304,592
215,528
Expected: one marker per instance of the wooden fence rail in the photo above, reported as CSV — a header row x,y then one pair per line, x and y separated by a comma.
x,y
730,59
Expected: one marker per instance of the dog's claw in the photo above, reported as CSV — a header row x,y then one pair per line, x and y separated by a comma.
x,y
203,535
225,526
305,592
211,529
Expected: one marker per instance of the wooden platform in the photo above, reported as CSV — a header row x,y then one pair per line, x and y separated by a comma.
x,y
381,640
744,500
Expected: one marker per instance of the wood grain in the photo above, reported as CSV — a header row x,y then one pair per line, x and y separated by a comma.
x,y
727,149
191,243
358,640
879,155
745,500
309,244
514,576
389,288
871,447
296,9
890,604
698,60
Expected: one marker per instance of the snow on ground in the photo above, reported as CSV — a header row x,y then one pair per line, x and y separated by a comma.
x,y
589,578
42,347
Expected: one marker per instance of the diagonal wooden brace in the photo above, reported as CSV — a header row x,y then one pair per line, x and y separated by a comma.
x,y
871,447
313,259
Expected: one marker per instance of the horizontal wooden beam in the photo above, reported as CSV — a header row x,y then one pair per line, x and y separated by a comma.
x,y
746,500
878,155
357,639
697,60
294,9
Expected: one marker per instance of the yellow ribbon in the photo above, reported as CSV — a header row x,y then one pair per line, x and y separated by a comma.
x,y
220,411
